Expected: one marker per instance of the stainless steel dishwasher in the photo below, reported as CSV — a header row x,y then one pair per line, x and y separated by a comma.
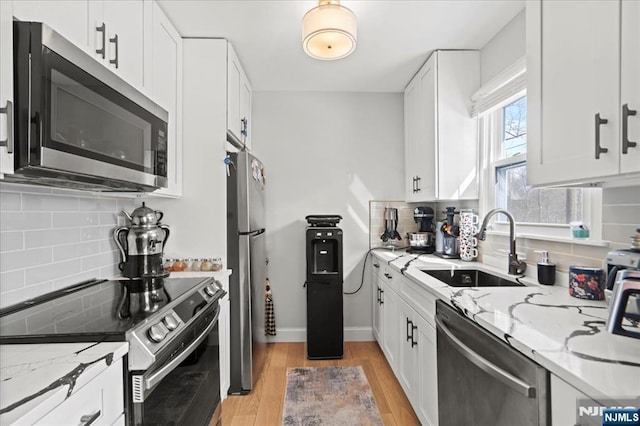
x,y
482,381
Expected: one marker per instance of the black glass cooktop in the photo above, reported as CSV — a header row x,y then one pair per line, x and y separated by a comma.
x,y
86,312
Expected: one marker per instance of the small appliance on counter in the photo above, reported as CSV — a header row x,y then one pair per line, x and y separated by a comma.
x,y
623,292
390,226
422,241
450,232
141,246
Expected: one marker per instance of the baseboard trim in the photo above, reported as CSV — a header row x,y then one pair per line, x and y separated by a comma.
x,y
351,334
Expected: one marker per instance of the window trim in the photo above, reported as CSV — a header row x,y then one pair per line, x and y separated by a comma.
x,y
490,130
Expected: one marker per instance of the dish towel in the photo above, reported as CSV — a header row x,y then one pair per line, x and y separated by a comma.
x,y
269,314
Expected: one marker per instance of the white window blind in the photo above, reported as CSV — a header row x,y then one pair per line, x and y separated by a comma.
x,y
506,85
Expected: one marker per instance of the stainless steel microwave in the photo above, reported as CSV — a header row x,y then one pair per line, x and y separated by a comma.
x,y
77,124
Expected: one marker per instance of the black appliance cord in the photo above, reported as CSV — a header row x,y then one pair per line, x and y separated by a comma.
x,y
364,265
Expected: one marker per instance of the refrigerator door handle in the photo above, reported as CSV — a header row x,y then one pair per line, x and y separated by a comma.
x,y
253,233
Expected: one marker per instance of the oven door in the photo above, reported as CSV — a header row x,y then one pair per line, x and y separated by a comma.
x,y
183,388
75,117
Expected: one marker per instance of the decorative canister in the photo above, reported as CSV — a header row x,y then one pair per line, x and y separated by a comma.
x,y
586,283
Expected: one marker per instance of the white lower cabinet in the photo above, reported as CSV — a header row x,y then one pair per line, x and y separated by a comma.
x,y
99,402
390,335
564,398
404,327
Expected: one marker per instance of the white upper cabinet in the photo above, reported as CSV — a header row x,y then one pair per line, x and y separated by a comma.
x,y
630,87
575,112
110,31
69,18
166,90
238,101
116,33
6,88
441,161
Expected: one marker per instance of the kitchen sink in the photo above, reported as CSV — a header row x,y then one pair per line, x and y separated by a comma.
x,y
470,278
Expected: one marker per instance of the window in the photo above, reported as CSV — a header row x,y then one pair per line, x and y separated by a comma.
x,y
538,211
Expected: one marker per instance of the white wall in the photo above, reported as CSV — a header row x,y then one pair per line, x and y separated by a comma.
x,y
325,153
503,49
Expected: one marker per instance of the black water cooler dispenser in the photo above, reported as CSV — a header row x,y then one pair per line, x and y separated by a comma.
x,y
325,326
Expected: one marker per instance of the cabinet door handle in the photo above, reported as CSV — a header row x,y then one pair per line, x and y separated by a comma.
x,y
244,127
599,149
114,40
413,328
626,113
88,419
388,276
8,142
376,265
378,295
381,296
409,327
418,179
102,29
413,184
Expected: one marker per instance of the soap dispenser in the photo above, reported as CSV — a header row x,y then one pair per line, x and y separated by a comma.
x,y
546,269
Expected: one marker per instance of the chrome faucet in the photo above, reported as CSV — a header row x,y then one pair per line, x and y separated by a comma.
x,y
516,267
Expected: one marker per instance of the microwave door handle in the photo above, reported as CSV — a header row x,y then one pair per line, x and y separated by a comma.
x,y
150,382
498,373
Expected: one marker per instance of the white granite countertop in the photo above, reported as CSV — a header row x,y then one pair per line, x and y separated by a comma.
x,y
36,378
564,334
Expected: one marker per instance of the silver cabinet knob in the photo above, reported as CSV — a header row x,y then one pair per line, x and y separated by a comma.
x,y
170,322
156,333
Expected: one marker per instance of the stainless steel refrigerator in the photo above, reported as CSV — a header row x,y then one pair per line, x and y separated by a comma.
x,y
246,257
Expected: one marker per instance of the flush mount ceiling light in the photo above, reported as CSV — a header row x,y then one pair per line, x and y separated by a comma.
x,y
329,31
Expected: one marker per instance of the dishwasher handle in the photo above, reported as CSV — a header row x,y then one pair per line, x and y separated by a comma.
x,y
505,377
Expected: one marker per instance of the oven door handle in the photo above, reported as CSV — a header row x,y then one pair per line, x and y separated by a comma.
x,y
153,380
505,377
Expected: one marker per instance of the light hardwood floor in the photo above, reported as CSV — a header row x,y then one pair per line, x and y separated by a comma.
x,y
264,405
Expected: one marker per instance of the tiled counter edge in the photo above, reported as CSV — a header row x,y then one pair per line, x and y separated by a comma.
x,y
36,378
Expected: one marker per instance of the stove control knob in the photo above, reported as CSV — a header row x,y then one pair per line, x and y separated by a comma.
x,y
170,322
210,290
156,333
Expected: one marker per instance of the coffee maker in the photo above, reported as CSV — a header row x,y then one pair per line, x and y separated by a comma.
x,y
450,232
422,241
141,247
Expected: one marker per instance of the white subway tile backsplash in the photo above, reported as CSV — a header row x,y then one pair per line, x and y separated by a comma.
x,y
621,214
52,271
618,233
11,241
98,205
12,280
622,195
22,221
21,259
71,251
10,201
98,260
51,237
110,219
75,219
49,203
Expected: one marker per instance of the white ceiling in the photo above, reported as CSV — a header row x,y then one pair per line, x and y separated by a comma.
x,y
394,38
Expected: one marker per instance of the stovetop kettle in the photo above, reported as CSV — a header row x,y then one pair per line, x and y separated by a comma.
x,y
142,244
